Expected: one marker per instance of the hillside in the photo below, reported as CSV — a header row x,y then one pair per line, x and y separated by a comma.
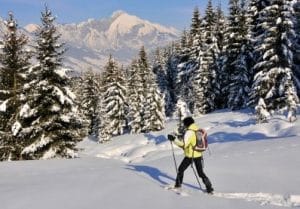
x,y
251,166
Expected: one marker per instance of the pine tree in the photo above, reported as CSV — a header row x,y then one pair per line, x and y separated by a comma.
x,y
204,76
256,19
221,26
113,101
161,77
14,64
189,62
90,101
159,71
77,85
172,60
273,81
296,45
196,23
182,112
242,75
154,113
257,16
231,49
48,117
135,99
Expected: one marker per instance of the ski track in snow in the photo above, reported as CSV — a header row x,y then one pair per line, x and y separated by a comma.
x,y
179,191
264,198
261,198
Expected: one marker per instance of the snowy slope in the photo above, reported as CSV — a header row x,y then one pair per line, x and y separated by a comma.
x,y
251,166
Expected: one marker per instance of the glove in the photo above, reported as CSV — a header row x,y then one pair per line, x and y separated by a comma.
x,y
171,137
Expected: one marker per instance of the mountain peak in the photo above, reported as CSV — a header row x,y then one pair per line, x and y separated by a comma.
x,y
124,23
118,13
31,28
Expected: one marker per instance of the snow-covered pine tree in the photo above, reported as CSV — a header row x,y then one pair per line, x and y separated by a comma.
x,y
221,25
76,88
242,72
161,73
14,59
90,96
135,99
113,101
172,59
296,45
189,62
262,114
196,24
182,111
232,48
155,108
204,75
273,80
187,74
153,117
256,19
48,120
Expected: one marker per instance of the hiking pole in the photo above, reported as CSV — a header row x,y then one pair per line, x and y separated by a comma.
x,y
195,171
174,159
196,174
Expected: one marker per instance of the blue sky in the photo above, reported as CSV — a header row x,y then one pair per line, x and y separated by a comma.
x,y
176,13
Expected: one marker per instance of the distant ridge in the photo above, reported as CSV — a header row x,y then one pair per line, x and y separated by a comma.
x,y
90,42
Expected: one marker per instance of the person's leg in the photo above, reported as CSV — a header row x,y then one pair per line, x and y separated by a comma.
x,y
183,166
205,179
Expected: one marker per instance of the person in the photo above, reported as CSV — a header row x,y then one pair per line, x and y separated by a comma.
x,y
187,144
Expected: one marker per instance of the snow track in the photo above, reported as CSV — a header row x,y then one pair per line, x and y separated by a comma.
x,y
264,198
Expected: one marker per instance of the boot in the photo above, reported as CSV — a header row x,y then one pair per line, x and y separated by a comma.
x,y
209,188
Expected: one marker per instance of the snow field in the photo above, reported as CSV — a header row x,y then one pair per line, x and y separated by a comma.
x,y
251,166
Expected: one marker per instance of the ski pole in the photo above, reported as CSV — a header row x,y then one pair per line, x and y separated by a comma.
x,y
196,174
195,171
174,159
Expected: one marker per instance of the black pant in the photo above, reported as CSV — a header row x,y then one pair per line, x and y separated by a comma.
x,y
185,164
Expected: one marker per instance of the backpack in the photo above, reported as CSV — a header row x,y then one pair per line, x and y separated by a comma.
x,y
201,141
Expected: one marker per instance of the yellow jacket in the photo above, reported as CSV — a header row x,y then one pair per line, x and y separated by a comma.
x,y
189,142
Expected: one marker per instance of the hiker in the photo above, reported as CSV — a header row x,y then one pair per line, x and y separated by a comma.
x,y
191,155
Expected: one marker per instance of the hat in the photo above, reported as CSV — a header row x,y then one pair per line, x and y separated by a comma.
x,y
187,121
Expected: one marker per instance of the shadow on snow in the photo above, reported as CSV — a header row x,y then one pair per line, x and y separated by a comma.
x,y
223,137
161,177
157,139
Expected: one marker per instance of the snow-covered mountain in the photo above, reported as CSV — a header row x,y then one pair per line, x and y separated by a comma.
x,y
1,31
2,26
89,43
31,28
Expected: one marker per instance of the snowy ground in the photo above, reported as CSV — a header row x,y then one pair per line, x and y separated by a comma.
x,y
251,166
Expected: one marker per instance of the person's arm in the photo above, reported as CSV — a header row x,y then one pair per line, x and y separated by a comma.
x,y
186,140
